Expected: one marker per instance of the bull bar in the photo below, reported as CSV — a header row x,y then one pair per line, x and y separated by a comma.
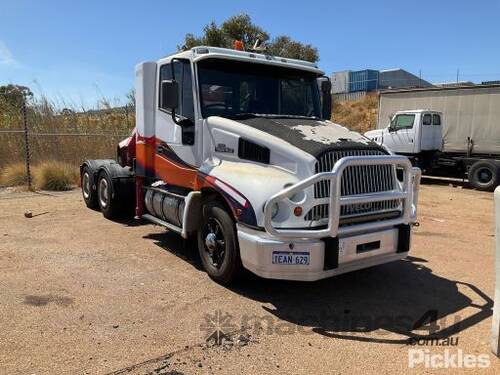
x,y
407,194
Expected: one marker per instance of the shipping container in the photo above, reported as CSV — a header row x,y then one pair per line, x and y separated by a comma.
x,y
363,80
340,82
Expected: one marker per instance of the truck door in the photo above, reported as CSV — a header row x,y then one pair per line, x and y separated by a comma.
x,y
426,132
174,141
400,137
437,130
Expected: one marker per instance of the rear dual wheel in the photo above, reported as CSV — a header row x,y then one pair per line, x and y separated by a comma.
x,y
484,175
108,202
88,191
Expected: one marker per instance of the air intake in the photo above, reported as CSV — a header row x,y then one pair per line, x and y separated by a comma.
x,y
250,151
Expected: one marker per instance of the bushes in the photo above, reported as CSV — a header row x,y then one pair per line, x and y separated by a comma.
x,y
55,175
49,175
13,175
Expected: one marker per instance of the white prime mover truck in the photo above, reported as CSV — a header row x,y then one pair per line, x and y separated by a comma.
x,y
453,131
235,149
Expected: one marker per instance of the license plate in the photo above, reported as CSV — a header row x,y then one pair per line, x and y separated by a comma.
x,y
286,257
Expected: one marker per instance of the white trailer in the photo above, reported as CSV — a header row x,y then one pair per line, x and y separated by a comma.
x,y
452,131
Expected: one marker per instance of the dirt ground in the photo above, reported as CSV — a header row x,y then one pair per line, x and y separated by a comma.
x,y
81,294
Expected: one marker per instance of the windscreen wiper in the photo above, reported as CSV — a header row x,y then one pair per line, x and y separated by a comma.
x,y
291,116
271,115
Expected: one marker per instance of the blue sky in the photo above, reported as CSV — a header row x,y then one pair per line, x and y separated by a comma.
x,y
77,51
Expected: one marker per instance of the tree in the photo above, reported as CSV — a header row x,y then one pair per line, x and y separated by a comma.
x,y
284,46
67,112
13,95
241,27
130,99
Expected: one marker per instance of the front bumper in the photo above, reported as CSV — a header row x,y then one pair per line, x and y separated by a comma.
x,y
328,257
337,248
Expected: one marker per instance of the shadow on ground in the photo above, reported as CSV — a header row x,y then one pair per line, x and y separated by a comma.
x,y
175,244
403,297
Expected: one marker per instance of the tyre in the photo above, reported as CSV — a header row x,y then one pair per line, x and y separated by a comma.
x,y
218,244
484,175
88,189
106,198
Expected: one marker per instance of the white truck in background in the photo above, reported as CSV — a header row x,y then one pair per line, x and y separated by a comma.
x,y
453,132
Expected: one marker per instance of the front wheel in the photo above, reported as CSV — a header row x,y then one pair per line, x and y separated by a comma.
x,y
218,244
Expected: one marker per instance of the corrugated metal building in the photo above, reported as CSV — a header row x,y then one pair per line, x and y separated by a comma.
x,y
400,78
371,80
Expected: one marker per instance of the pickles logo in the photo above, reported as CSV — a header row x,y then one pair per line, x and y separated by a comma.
x,y
447,359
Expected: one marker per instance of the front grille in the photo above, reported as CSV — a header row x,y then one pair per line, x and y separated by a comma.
x,y
355,180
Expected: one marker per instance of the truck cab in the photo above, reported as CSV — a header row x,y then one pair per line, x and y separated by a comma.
x,y
411,132
235,149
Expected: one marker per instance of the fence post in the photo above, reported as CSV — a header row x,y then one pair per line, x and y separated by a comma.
x,y
495,328
26,144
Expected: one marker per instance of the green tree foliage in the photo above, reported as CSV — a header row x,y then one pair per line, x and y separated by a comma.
x,y
241,27
12,96
285,46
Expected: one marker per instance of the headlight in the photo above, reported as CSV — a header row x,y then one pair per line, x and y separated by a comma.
x,y
297,197
274,210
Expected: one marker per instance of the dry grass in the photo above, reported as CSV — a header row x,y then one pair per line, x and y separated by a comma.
x,y
55,175
47,121
358,115
48,175
13,175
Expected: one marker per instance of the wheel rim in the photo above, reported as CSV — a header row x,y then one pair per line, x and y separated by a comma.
x,y
484,175
86,185
103,192
214,242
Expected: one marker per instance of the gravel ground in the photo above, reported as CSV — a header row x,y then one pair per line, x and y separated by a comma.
x,y
81,294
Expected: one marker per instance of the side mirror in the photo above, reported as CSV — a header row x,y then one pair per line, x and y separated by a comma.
x,y
326,85
326,97
169,94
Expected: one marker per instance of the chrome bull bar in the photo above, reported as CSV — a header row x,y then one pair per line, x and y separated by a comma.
x,y
407,193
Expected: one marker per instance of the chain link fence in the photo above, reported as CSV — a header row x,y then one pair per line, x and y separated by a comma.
x,y
33,133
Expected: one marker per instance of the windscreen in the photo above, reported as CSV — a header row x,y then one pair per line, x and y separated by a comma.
x,y
230,88
404,121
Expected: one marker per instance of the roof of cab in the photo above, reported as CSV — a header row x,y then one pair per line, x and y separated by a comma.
x,y
416,111
202,52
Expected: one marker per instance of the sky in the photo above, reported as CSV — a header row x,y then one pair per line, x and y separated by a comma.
x,y
76,52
